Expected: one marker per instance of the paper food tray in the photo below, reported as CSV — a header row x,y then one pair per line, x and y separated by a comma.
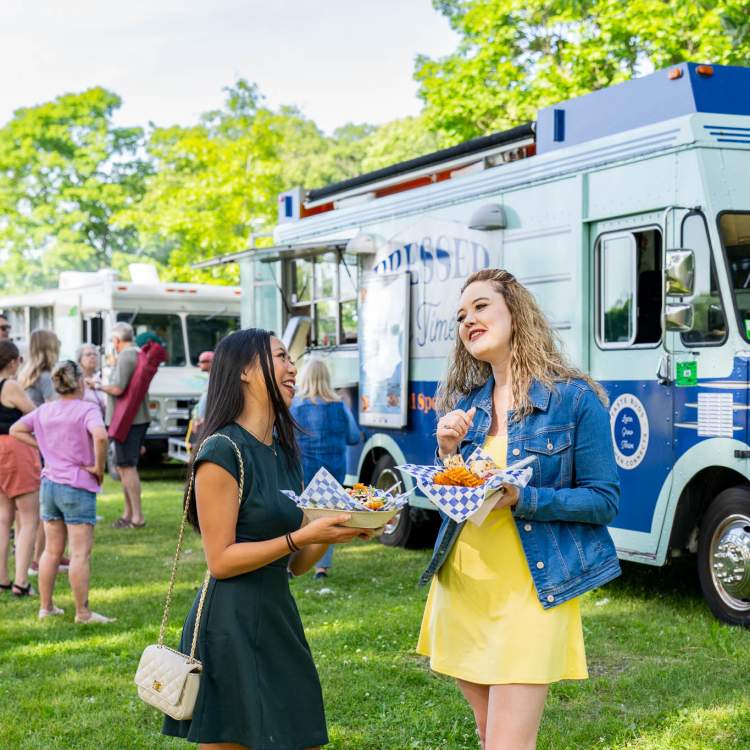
x,y
324,496
466,503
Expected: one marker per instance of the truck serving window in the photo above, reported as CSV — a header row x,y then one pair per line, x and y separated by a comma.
x,y
324,288
629,289
166,326
41,317
205,332
709,321
734,228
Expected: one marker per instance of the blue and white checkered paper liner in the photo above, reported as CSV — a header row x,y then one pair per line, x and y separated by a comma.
x,y
460,503
324,491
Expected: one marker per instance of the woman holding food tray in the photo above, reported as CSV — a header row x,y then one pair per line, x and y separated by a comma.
x,y
259,687
503,614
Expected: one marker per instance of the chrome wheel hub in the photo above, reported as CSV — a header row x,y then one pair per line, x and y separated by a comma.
x,y
392,525
730,561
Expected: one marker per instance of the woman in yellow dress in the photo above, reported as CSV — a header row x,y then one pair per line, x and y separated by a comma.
x,y
503,614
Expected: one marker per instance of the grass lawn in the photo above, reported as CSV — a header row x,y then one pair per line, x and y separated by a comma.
x,y
665,674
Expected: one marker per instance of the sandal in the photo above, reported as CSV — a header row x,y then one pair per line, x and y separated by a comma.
x,y
20,591
137,525
94,618
43,613
6,586
121,523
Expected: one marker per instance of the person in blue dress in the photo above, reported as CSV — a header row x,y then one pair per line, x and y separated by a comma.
x,y
326,428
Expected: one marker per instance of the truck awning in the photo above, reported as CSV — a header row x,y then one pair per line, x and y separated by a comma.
x,y
278,252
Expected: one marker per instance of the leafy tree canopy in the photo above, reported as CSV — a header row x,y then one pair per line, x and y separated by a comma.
x,y
216,182
65,170
77,192
515,56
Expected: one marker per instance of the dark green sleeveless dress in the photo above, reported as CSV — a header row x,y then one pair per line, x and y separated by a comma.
x,y
259,685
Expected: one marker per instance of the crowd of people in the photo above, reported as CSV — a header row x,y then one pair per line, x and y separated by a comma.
x,y
54,442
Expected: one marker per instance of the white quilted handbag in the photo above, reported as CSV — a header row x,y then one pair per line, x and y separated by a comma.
x,y
165,678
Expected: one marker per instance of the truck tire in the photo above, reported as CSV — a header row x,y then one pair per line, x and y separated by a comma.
x,y
410,527
724,556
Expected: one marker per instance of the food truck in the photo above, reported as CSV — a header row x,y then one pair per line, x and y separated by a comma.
x,y
626,212
189,318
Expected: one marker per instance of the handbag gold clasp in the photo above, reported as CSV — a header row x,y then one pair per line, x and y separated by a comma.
x,y
157,686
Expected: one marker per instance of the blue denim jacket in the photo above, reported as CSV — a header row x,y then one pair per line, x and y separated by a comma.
x,y
327,428
574,492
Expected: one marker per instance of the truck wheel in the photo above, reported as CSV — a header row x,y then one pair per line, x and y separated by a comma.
x,y
398,529
724,556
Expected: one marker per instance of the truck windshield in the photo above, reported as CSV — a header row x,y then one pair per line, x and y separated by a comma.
x,y
166,326
734,228
204,332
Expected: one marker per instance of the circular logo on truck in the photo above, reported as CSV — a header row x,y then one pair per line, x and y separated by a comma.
x,y
629,423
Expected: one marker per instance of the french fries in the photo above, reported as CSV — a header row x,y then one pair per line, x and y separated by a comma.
x,y
457,474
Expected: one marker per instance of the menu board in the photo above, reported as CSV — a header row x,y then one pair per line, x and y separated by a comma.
x,y
383,349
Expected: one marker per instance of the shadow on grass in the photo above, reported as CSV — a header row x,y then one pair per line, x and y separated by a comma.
x,y
678,579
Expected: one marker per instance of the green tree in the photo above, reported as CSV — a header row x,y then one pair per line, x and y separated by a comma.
x,y
515,56
216,181
65,170
397,141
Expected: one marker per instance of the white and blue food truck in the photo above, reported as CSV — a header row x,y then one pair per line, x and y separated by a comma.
x,y
627,213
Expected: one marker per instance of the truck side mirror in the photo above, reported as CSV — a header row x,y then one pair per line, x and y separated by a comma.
x,y
678,318
680,268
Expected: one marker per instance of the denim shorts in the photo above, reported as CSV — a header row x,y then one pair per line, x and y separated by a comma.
x,y
60,502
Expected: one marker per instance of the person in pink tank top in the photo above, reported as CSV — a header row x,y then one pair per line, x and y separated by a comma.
x,y
71,437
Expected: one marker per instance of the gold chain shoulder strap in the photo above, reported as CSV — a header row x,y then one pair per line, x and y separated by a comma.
x,y
170,589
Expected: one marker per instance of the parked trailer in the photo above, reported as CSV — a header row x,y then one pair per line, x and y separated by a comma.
x,y
627,213
190,318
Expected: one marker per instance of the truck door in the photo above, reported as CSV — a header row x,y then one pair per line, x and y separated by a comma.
x,y
625,351
708,381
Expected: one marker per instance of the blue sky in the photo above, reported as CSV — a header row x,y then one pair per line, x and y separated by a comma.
x,y
339,61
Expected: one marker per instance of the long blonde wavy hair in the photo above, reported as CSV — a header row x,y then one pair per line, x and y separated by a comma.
x,y
534,351
315,382
44,349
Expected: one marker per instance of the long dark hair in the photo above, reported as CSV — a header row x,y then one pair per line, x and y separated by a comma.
x,y
225,400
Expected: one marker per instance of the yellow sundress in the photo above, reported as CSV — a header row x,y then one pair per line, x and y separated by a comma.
x,y
483,622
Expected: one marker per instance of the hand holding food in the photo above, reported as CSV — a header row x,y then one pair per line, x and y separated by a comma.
x,y
452,428
326,531
368,508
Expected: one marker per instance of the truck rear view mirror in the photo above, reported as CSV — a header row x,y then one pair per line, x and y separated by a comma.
x,y
680,268
678,318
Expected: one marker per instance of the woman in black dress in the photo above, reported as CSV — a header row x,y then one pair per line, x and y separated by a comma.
x,y
259,687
